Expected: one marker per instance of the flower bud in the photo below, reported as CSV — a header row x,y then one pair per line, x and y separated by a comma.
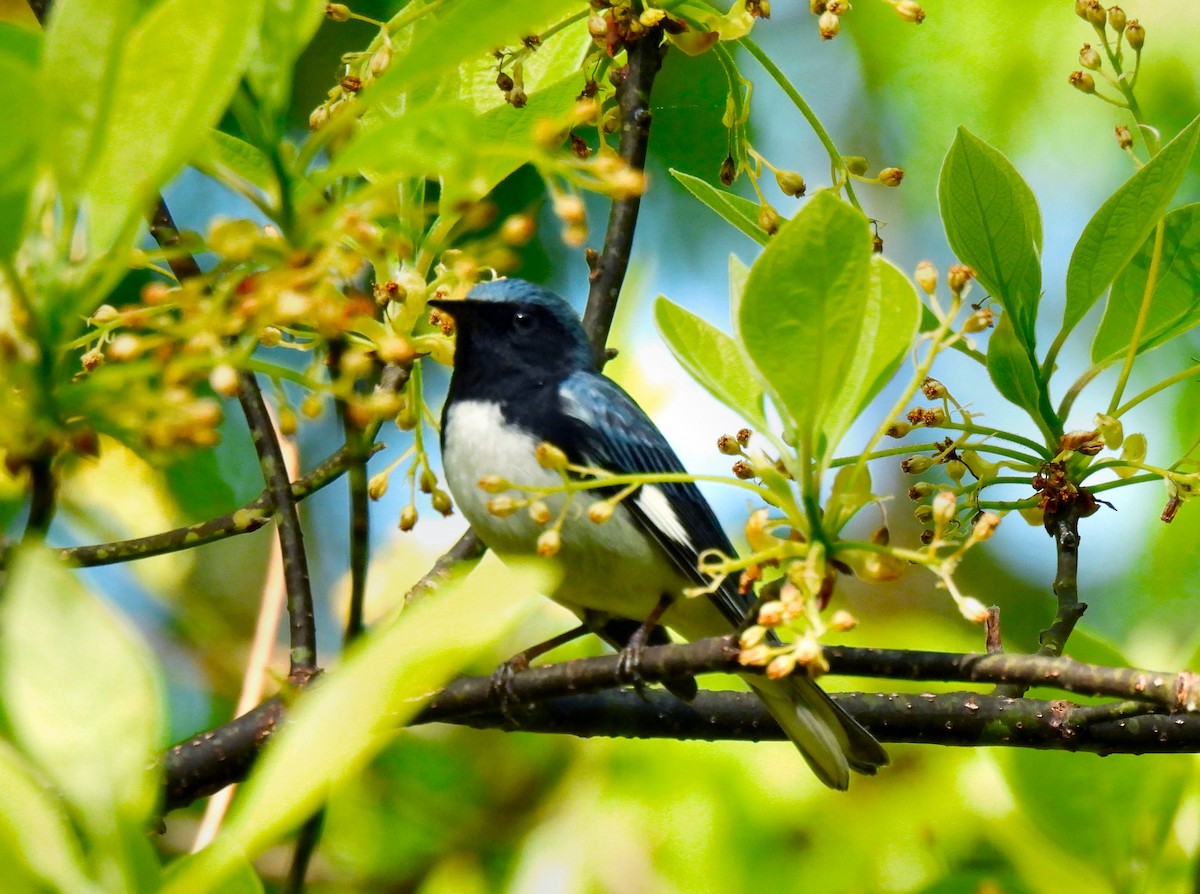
x,y
1135,34
539,512
809,656
755,656
440,500
1096,14
920,491
408,517
224,379
492,484
958,277
752,636
926,276
651,17
837,7
933,389
1089,58
979,321
1081,8
743,470
973,610
550,457
310,407
945,507
600,512
910,11
549,543
985,526
381,59
842,621
855,164
1116,19
728,445
1124,137
780,666
1082,81
728,172
378,486
743,436
504,81
790,183
772,613
891,176
338,12
502,506
915,465
923,514
768,219
828,25
898,429
105,313
816,7
955,470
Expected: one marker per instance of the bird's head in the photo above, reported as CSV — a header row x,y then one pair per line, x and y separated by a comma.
x,y
510,325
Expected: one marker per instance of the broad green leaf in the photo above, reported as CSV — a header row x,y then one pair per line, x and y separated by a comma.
x,y
353,713
80,693
1117,844
1011,369
890,320
1118,229
287,27
36,827
179,68
85,41
457,33
224,156
741,213
1175,305
712,358
992,224
802,313
19,51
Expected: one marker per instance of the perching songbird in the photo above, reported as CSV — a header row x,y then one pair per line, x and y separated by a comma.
x,y
523,376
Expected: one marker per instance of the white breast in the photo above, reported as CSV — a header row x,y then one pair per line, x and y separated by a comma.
x,y
610,567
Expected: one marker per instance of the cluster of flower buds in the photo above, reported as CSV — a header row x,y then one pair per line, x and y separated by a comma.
x,y
1127,31
616,23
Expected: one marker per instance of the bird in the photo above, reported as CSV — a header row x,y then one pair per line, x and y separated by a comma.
x,y
524,376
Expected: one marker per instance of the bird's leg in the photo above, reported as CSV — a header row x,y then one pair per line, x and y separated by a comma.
x,y
502,677
631,655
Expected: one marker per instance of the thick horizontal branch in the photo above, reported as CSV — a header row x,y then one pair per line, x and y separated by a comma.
x,y
562,698
965,719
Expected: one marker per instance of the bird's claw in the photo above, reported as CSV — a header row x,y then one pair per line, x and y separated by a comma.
x,y
629,663
502,690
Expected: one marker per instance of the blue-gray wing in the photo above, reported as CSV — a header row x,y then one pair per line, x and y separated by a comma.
x,y
609,430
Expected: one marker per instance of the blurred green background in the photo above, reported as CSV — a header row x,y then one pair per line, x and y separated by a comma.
x,y
450,810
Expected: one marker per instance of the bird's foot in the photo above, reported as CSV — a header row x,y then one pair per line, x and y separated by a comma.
x,y
503,692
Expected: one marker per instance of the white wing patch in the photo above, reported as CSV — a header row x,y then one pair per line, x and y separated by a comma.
x,y
652,501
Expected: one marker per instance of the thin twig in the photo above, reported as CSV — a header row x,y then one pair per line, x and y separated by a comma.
x,y
1065,531
43,489
608,271
307,840
301,621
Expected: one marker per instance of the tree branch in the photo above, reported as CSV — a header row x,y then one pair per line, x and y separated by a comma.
x,y
562,698
608,271
1064,528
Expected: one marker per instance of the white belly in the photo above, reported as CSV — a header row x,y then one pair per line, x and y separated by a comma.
x,y
611,567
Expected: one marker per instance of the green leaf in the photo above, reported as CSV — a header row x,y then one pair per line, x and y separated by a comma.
x,y
457,33
85,40
36,827
1118,229
353,713
224,156
890,319
287,27
802,313
559,57
1175,305
81,693
1011,369
178,70
19,51
992,224
741,213
712,358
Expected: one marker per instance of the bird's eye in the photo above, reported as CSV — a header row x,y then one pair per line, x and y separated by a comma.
x,y
524,321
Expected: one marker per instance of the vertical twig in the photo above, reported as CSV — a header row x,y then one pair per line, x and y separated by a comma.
x,y
1064,528
43,490
608,271
306,845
